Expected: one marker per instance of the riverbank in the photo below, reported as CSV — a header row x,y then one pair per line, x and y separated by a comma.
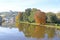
x,y
47,25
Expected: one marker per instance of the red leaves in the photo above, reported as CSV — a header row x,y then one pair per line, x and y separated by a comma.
x,y
40,17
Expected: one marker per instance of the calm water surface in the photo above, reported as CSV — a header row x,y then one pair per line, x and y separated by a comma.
x,y
29,32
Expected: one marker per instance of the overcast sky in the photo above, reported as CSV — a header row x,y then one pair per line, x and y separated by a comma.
x,y
21,5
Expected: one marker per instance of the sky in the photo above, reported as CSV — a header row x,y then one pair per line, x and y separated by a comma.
x,y
21,5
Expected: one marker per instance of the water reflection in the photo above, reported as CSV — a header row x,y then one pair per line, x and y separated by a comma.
x,y
29,32
10,34
40,32
58,33
50,32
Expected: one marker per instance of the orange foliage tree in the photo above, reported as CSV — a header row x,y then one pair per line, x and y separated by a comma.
x,y
17,19
40,17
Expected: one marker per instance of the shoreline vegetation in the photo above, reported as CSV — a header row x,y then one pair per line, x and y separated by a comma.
x,y
35,16
46,25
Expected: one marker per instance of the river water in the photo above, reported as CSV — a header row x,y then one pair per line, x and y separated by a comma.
x,y
29,32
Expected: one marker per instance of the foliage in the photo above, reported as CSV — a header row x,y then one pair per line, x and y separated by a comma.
x,y
40,17
58,16
51,17
26,14
31,17
17,19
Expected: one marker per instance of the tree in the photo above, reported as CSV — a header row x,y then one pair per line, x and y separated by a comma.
x,y
27,11
26,14
58,17
17,19
51,17
40,17
21,16
58,14
31,17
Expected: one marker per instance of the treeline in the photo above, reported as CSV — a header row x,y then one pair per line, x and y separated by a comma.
x,y
28,16
53,17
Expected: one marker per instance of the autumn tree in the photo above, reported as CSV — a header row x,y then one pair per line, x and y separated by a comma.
x,y
17,19
40,17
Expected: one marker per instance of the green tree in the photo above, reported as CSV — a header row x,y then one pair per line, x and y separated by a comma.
x,y
51,17
27,11
31,17
58,16
21,17
26,14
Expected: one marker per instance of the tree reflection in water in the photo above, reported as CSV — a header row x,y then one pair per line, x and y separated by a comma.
x,y
39,32
50,32
35,31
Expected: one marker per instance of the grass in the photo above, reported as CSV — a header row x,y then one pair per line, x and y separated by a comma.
x,y
47,25
52,26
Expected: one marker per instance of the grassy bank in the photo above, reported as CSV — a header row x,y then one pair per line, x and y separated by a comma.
x,y
50,26
47,25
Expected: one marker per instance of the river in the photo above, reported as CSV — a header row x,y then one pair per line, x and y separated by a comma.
x,y
29,32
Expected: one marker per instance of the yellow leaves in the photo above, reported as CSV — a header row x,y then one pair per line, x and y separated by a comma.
x,y
17,19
